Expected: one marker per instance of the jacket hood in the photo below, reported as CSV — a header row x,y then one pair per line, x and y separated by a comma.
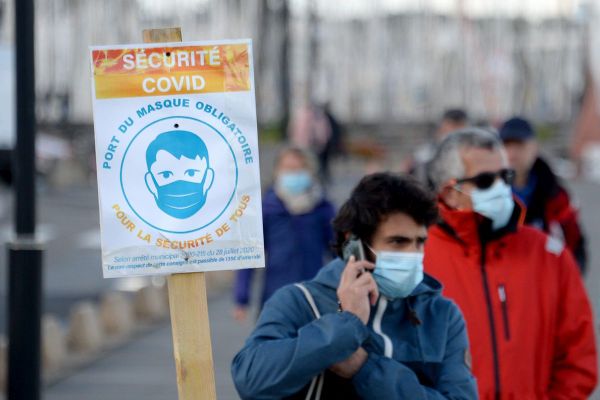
x,y
330,275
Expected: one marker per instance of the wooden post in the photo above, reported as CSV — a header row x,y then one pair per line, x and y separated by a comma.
x,y
162,35
191,337
189,307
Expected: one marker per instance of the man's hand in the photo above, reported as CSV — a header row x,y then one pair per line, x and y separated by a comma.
x,y
350,366
356,288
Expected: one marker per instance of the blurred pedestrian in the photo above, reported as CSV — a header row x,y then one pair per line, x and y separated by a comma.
x,y
452,120
334,144
314,127
371,326
528,316
297,228
549,207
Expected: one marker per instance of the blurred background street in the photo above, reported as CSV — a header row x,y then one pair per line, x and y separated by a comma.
x,y
387,70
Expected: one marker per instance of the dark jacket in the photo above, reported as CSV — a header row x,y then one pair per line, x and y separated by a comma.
x,y
417,346
295,246
550,205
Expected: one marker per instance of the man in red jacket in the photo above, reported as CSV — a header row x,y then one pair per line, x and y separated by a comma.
x,y
528,316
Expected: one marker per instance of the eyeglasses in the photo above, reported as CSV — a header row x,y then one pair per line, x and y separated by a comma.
x,y
486,179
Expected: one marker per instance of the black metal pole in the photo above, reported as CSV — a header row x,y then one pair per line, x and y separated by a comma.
x,y
25,299
284,81
25,253
26,124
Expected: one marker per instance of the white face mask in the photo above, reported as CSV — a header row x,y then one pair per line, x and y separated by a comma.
x,y
397,273
495,203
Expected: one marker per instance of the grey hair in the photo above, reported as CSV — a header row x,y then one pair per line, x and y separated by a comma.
x,y
448,164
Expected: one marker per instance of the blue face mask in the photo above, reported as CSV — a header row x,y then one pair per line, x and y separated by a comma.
x,y
495,203
397,274
180,199
295,183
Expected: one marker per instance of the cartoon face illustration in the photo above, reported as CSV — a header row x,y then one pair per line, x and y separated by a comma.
x,y
179,174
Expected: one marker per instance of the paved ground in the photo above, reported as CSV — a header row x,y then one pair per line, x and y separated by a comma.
x,y
144,369
588,195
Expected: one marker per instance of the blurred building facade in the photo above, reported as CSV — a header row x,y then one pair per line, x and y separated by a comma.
x,y
382,66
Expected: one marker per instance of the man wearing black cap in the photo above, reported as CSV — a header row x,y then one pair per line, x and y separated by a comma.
x,y
548,205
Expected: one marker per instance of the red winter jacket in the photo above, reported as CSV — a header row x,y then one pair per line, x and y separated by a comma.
x,y
528,316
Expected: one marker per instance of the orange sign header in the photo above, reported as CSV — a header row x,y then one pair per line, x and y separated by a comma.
x,y
154,71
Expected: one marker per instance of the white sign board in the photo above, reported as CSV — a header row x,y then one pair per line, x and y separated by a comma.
x,y
177,157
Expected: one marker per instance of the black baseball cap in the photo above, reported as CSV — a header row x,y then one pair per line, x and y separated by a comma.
x,y
516,128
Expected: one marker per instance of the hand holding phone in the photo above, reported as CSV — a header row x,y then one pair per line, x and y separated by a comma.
x,y
353,247
357,291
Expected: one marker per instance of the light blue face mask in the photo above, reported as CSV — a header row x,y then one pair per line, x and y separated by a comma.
x,y
295,183
180,199
397,273
495,203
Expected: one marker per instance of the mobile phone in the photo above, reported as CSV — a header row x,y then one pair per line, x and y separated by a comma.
x,y
353,247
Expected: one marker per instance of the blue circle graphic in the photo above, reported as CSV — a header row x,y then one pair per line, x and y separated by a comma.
x,y
193,119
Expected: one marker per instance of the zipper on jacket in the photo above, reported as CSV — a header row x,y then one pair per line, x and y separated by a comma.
x,y
503,302
490,310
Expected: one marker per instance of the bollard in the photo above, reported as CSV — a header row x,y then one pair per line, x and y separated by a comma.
x,y
54,344
85,333
150,304
116,315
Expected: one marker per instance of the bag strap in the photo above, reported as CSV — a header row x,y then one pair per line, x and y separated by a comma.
x,y
310,299
317,381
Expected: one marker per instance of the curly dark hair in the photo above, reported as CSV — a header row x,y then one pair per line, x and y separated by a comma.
x,y
375,197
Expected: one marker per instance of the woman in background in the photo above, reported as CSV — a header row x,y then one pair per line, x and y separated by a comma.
x,y
297,228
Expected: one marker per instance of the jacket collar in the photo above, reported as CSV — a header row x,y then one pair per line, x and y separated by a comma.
x,y
470,228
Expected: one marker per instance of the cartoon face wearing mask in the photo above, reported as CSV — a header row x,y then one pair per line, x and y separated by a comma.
x,y
179,175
